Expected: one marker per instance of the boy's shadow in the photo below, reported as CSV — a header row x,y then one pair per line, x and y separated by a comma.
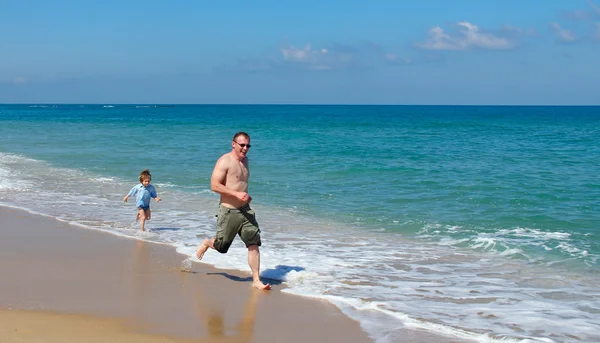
x,y
165,229
274,276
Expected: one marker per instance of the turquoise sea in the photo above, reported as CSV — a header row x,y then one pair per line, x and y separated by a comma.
x,y
478,223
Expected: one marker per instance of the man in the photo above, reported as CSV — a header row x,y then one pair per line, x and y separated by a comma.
x,y
230,179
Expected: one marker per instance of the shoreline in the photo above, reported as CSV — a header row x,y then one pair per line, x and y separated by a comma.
x,y
69,275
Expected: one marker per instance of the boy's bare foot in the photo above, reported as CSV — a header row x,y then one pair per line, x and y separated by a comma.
x,y
261,286
201,250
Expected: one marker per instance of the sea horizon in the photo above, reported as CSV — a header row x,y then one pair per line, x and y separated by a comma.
x,y
300,104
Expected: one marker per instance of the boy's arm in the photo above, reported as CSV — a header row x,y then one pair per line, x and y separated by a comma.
x,y
153,194
130,194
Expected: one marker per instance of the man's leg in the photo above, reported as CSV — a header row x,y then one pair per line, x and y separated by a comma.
x,y
207,243
226,231
254,262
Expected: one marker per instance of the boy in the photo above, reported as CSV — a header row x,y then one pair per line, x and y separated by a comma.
x,y
143,192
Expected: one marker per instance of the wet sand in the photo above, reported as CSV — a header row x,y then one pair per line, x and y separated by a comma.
x,y
62,283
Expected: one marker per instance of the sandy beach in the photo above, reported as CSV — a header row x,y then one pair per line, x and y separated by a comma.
x,y
62,283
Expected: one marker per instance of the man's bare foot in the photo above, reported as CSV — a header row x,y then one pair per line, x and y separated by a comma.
x,y
261,286
201,250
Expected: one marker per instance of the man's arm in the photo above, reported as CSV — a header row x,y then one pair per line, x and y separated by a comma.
x,y
217,180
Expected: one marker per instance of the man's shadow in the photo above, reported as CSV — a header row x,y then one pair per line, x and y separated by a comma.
x,y
274,276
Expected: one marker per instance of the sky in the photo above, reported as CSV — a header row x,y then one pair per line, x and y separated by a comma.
x,y
430,52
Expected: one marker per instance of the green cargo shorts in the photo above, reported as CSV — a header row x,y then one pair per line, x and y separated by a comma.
x,y
232,221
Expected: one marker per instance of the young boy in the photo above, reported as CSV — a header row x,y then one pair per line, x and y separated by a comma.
x,y
143,192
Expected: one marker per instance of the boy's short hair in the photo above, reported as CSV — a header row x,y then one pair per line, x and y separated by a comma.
x,y
145,174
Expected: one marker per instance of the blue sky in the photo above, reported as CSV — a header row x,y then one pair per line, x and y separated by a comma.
x,y
301,52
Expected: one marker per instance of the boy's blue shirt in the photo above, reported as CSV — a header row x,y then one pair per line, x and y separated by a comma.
x,y
142,194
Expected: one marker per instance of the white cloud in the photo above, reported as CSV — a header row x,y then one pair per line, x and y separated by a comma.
x,y
439,40
317,59
393,59
594,7
513,31
562,35
19,80
305,55
593,13
596,25
578,15
468,36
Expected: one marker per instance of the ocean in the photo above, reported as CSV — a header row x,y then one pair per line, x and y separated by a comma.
x,y
475,222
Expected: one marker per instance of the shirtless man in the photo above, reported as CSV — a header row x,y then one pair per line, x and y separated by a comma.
x,y
230,179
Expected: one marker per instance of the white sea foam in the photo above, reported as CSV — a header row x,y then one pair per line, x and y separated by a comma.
x,y
477,287
102,179
507,242
527,232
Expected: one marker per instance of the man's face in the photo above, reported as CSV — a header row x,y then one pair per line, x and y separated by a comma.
x,y
241,145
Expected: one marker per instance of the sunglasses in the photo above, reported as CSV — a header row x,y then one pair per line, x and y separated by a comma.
x,y
243,145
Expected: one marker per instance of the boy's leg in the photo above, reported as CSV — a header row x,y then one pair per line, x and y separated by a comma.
x,y
148,214
142,216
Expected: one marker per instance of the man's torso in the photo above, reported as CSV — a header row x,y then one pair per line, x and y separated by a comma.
x,y
236,178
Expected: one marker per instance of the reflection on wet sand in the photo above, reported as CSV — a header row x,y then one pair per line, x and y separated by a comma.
x,y
140,271
217,317
218,332
210,312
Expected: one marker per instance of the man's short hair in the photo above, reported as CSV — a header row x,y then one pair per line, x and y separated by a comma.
x,y
241,133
